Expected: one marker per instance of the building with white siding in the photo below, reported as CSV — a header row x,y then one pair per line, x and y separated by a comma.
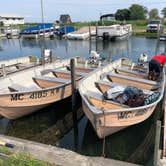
x,y
10,19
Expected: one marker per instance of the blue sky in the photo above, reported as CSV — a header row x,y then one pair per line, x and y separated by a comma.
x,y
79,10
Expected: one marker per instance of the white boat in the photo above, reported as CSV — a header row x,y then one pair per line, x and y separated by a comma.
x,y
13,65
81,34
110,116
29,90
114,32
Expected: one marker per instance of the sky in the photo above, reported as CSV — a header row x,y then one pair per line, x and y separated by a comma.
x,y
79,10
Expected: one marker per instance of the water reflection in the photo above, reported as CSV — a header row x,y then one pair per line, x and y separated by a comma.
x,y
131,48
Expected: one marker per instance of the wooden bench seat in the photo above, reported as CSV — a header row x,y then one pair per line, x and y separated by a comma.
x,y
99,102
46,81
59,73
81,69
18,87
104,86
67,74
130,73
132,81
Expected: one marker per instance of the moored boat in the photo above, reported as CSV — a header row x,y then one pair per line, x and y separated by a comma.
x,y
110,113
17,64
46,30
29,90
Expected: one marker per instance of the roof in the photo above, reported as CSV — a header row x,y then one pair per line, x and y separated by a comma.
x,y
10,16
107,15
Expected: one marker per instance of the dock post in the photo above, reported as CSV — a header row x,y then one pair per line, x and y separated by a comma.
x,y
90,32
42,56
73,83
3,69
110,57
73,90
157,142
50,56
96,36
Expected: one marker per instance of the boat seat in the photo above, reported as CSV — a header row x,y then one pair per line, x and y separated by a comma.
x,y
18,87
44,72
51,79
130,71
103,86
141,80
81,68
97,100
68,72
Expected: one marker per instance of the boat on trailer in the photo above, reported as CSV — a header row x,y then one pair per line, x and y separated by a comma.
x,y
29,90
110,115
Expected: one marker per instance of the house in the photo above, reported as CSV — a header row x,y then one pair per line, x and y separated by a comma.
x,y
108,17
9,19
65,19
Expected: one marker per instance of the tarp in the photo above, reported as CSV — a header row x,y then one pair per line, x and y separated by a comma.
x,y
37,28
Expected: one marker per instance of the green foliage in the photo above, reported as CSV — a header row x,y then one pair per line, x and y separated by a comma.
x,y
163,12
138,22
4,150
138,12
23,160
153,14
122,14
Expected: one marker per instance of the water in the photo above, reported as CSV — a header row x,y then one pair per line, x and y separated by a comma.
x,y
132,48
54,124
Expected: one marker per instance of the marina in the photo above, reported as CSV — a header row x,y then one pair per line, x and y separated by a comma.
x,y
53,124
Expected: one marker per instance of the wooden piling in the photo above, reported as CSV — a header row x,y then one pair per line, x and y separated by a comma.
x,y
157,142
74,90
3,69
73,83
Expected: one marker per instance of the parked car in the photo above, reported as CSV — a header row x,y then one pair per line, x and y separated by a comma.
x,y
154,26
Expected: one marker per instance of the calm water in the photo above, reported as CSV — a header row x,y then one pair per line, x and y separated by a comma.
x,y
12,48
54,124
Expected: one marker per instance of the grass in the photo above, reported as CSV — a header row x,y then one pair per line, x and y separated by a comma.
x,y
21,160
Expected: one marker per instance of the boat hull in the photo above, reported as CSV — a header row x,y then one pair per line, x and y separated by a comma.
x,y
19,104
108,124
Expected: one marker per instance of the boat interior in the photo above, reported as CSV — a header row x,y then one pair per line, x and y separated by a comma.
x,y
40,77
123,75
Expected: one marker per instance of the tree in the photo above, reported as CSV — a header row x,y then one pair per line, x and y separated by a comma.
x,y
122,14
138,12
163,12
153,14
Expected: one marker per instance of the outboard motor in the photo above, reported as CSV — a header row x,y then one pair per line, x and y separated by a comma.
x,y
94,57
143,59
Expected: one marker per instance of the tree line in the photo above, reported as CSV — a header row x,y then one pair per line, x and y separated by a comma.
x,y
138,12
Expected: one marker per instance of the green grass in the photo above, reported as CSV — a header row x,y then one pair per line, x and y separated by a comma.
x,y
23,160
